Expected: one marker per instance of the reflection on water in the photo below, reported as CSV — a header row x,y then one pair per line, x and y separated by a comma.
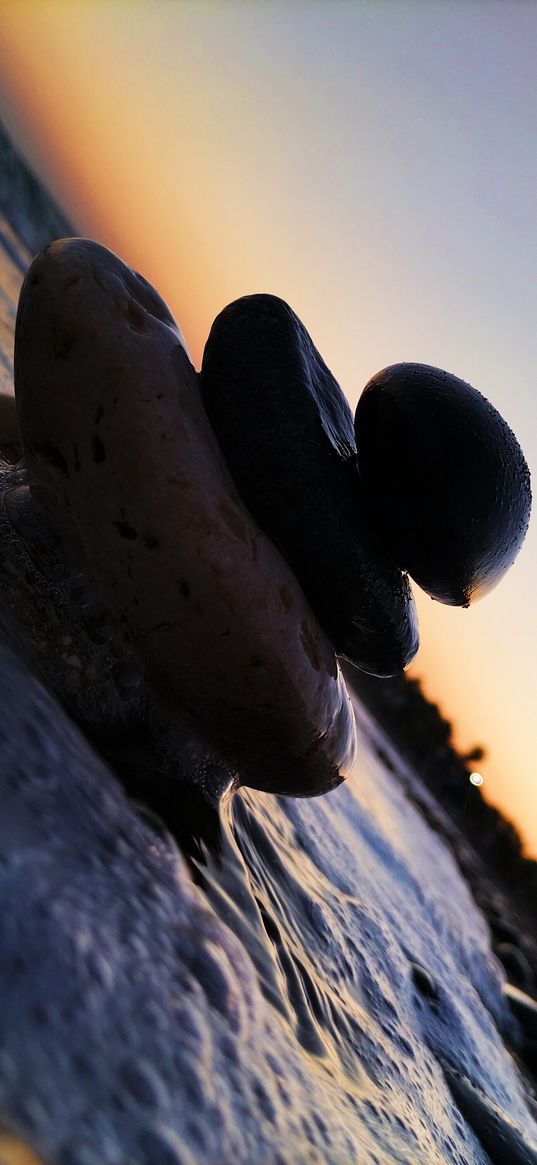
x,y
368,947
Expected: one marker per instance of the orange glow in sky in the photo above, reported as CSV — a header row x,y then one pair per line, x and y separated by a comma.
x,y
372,165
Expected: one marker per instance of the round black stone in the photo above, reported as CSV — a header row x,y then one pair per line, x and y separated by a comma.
x,y
446,478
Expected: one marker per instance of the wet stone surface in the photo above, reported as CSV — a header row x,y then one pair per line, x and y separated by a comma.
x,y
324,994
286,431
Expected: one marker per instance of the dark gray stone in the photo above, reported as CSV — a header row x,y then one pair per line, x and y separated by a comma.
x,y
446,478
286,431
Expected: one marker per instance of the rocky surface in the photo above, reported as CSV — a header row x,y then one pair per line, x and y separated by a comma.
x,y
276,1015
314,985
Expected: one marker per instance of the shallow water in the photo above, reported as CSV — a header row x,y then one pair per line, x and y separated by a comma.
x,y
327,995
368,945
330,996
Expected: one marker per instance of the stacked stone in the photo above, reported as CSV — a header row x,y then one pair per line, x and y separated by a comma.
x,y
239,529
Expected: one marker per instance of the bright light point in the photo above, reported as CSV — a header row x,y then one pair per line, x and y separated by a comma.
x,y
476,779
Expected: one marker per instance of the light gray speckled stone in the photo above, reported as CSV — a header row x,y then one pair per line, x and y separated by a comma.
x,y
113,423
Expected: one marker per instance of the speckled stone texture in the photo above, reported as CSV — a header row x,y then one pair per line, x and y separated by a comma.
x,y
115,434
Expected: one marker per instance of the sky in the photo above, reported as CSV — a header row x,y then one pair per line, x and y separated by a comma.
x,y
373,163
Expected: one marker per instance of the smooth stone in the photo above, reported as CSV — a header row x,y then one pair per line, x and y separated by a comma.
x,y
286,431
10,440
446,477
52,616
113,423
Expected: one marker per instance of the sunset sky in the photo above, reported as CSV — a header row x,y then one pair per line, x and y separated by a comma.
x,y
373,163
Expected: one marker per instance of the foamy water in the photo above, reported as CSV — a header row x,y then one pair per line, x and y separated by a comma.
x,y
311,1004
328,997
